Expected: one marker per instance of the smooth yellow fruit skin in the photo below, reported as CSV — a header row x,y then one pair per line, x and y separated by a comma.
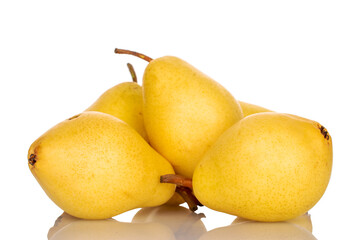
x,y
95,166
124,101
267,167
175,200
249,109
185,111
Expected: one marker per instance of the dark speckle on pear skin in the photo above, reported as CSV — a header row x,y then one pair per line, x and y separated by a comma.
x,y
73,117
324,132
32,159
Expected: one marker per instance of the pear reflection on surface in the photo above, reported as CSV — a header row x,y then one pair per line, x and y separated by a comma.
x,y
296,229
184,223
68,227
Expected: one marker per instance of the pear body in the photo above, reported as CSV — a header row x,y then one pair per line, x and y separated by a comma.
x,y
249,109
267,167
124,101
95,166
185,111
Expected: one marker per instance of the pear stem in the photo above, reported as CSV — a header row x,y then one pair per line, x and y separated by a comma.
x,y
189,198
179,180
132,72
183,188
136,54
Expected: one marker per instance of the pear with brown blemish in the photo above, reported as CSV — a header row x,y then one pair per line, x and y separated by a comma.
x,y
267,167
95,166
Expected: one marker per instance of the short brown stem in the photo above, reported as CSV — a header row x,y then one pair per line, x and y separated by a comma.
x,y
136,54
132,72
179,180
183,188
188,197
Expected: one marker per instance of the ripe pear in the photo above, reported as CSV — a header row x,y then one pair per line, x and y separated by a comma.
x,y
124,101
267,167
185,111
95,166
249,109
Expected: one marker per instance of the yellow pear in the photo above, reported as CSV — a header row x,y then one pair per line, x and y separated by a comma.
x,y
249,108
109,229
267,167
185,111
184,223
95,166
124,101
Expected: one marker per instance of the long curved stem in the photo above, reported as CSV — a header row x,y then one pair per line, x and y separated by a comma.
x,y
136,54
132,72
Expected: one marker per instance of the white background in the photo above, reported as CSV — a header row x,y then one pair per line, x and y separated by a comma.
x,y
299,57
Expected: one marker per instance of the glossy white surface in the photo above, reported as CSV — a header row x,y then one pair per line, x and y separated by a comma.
x,y
299,57
167,222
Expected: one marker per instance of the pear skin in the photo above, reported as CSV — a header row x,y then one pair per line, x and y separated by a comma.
x,y
185,111
95,166
175,200
124,101
267,167
249,109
